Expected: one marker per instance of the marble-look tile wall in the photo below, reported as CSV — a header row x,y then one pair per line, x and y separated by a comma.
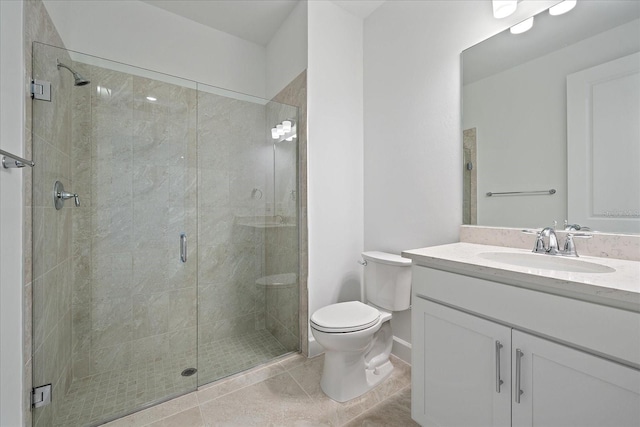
x,y
134,301
52,231
234,158
287,249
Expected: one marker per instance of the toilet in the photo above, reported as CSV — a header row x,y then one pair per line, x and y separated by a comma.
x,y
357,337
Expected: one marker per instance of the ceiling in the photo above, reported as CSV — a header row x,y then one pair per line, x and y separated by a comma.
x,y
253,20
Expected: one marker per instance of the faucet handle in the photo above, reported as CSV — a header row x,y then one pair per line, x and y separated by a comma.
x,y
574,227
538,246
569,245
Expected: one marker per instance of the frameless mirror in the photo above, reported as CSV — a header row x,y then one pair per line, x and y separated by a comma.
x,y
551,127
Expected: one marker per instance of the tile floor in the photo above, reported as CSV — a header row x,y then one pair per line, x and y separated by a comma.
x,y
285,392
105,396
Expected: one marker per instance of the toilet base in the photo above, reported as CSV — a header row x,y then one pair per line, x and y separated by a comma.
x,y
345,376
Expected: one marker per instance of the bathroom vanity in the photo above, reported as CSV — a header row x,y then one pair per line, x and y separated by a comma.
x,y
500,338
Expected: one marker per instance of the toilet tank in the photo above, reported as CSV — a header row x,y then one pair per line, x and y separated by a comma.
x,y
387,280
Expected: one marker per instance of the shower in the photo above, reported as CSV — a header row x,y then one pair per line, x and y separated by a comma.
x,y
133,316
79,80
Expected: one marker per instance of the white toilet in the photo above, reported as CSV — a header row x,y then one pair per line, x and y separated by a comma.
x,y
357,337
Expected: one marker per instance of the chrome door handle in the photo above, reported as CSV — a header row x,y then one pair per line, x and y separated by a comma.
x,y
183,247
499,382
519,356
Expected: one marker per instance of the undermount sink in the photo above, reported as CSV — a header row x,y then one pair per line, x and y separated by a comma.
x,y
546,262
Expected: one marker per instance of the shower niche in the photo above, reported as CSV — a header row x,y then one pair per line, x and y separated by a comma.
x,y
119,311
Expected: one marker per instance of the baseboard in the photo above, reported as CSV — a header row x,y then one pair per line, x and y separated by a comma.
x,y
401,349
315,349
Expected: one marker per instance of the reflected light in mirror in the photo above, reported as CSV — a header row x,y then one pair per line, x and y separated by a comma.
x,y
504,8
563,7
522,27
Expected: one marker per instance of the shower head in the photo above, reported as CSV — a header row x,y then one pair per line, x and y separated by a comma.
x,y
79,80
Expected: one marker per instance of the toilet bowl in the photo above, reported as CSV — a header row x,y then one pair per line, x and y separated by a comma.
x,y
357,337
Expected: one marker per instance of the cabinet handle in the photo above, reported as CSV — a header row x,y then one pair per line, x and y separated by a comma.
x,y
519,356
183,247
499,382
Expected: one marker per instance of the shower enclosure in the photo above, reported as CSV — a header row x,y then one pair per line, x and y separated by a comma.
x,y
177,262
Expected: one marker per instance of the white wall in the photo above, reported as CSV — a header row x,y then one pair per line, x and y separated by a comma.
x,y
335,153
139,34
286,55
412,124
11,139
536,130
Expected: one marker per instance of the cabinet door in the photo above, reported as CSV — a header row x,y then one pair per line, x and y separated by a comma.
x,y
567,387
458,360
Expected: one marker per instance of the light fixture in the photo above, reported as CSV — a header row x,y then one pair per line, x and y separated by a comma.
x,y
504,8
562,7
284,131
522,26
151,98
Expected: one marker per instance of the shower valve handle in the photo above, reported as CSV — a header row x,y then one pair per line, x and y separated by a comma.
x,y
64,196
59,196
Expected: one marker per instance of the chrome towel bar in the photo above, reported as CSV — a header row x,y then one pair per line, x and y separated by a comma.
x,y
14,161
508,193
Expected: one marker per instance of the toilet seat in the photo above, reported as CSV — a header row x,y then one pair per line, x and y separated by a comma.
x,y
344,317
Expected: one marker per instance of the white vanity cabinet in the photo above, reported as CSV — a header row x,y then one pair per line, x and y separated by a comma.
x,y
462,379
471,353
567,387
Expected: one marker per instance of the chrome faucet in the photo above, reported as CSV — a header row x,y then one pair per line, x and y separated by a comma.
x,y
552,247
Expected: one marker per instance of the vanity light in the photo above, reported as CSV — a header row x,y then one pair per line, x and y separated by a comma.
x,y
522,27
274,133
563,7
280,129
286,126
504,8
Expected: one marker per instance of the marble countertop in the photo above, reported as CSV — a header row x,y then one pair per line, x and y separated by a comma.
x,y
620,289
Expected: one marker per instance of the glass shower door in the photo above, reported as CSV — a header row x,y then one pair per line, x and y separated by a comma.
x,y
115,276
247,232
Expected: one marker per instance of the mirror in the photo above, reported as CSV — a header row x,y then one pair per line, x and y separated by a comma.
x,y
551,122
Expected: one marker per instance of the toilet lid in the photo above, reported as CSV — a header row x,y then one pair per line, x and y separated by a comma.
x,y
348,316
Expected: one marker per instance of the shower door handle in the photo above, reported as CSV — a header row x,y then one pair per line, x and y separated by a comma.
x,y
183,247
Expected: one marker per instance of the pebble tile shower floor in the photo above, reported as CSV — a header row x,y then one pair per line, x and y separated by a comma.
x,y
105,396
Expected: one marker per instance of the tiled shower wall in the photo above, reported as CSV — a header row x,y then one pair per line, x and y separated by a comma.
x,y
134,168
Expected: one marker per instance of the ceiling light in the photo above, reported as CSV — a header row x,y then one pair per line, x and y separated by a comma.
x,y
562,7
151,98
522,27
504,8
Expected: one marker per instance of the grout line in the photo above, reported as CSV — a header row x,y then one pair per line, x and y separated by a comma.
x,y
302,388
377,404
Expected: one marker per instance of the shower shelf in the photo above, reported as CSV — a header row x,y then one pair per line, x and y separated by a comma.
x,y
264,222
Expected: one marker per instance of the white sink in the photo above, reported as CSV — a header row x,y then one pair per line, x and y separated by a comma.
x,y
546,262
